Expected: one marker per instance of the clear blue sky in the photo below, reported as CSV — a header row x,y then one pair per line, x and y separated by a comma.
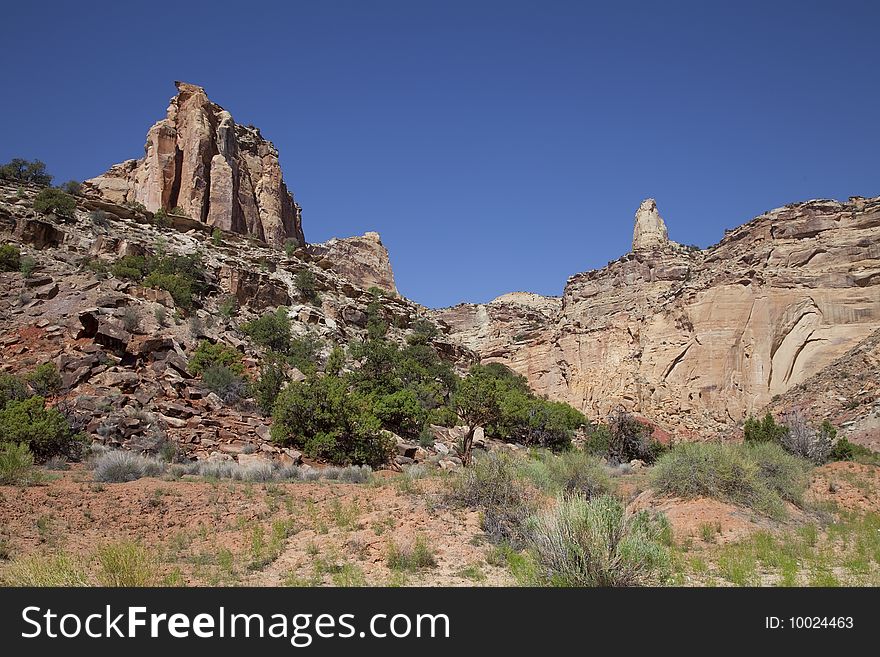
x,y
496,146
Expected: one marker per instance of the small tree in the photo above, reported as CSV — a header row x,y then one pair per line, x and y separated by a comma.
x,y
306,285
477,404
765,430
55,201
272,330
26,171
10,257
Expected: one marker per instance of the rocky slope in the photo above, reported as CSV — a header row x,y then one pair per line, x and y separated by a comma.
x,y
122,349
201,163
696,340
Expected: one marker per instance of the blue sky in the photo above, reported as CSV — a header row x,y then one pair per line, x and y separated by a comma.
x,y
496,146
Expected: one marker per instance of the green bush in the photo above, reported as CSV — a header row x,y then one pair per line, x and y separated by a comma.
x,y
594,542
222,380
57,570
26,171
491,486
764,430
127,564
16,464
569,473
55,201
44,430
307,286
72,187
757,477
328,421
208,354
12,388
272,380
781,472
45,380
10,258
598,441
181,276
27,266
401,412
228,306
271,331
843,450
217,237
417,556
526,419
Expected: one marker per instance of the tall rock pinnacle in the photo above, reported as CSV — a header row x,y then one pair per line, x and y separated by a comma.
x,y
650,229
199,160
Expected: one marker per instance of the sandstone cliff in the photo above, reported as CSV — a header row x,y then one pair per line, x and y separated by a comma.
x,y
198,160
696,340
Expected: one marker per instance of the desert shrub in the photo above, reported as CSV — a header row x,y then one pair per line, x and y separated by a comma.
x,y
271,330
491,486
417,556
217,237
46,431
570,472
59,569
442,416
808,442
401,412
225,383
181,276
760,478
594,542
120,466
131,319
598,441
33,171
27,266
271,382
208,354
844,450
781,472
55,201
45,379
303,352
126,564
327,420
764,430
306,284
179,211
99,218
12,388
179,286
10,258
72,187
228,306
290,246
529,420
630,440
16,464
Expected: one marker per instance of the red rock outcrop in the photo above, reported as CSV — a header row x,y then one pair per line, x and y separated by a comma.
x,y
199,161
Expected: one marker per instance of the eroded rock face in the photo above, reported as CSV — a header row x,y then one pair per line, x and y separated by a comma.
x,y
199,160
650,229
363,260
696,340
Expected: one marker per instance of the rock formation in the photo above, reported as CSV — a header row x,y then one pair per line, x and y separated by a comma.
x,y
362,260
650,229
696,340
198,160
